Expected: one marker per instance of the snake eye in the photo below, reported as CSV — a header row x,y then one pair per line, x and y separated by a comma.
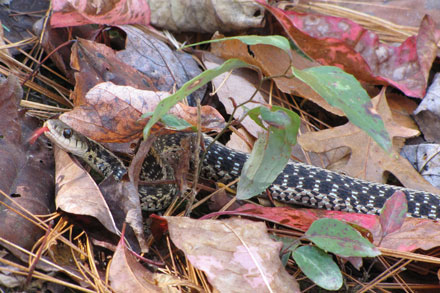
x,y
67,133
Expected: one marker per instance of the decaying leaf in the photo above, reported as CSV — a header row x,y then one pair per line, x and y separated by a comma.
x,y
72,13
206,16
95,63
406,13
168,69
368,161
127,275
342,42
112,113
414,234
26,170
425,158
427,114
77,193
237,255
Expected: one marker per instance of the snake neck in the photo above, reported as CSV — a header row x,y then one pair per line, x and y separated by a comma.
x,y
103,161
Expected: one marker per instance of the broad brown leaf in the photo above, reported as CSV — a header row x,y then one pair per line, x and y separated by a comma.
x,y
367,160
206,16
274,62
26,170
77,193
95,63
237,255
414,234
127,275
168,69
112,113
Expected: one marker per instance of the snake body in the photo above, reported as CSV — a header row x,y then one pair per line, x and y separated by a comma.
x,y
298,184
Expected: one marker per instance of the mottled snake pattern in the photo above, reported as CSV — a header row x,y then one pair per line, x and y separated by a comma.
x,y
298,184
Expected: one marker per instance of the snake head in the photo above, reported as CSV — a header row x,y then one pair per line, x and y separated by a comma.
x,y
94,154
65,137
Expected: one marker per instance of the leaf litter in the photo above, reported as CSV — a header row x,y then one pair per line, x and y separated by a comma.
x,y
410,236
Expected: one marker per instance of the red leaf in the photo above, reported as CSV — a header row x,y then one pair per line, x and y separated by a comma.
x,y
159,226
343,43
299,218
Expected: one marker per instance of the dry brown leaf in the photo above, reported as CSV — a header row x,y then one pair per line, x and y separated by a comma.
x,y
414,234
111,113
206,16
368,161
237,255
239,86
78,194
274,62
26,170
236,142
95,63
127,275
169,69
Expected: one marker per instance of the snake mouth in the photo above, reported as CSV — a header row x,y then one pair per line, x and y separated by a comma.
x,y
65,137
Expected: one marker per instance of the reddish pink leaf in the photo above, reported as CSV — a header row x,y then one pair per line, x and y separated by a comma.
x,y
341,42
414,234
300,218
393,213
158,226
73,13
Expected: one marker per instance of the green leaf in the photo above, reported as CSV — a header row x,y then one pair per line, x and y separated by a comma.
x,y
339,238
271,151
277,41
189,87
319,267
289,245
174,122
343,91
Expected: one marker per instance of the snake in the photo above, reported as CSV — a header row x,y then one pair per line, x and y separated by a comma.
x,y
298,184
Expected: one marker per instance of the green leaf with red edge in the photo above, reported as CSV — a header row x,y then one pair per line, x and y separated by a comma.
x,y
393,213
339,238
271,152
319,267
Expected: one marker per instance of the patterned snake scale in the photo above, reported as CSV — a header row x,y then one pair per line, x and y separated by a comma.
x,y
299,183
